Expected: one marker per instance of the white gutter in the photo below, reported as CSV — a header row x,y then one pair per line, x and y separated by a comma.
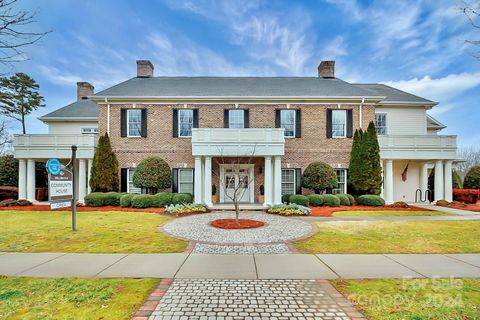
x,y
360,113
108,116
221,98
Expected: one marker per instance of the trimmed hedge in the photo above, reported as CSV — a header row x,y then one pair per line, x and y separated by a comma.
x,y
126,200
331,200
316,200
98,199
162,199
351,198
182,198
143,201
344,201
299,199
371,200
286,198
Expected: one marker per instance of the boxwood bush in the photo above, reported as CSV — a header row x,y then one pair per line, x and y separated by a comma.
x,y
344,201
315,200
371,200
351,198
180,198
99,199
331,200
162,199
143,201
126,200
299,199
286,198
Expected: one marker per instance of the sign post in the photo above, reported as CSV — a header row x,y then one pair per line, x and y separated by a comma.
x,y
74,197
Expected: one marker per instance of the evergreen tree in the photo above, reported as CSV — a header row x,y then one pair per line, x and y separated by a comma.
x,y
152,174
8,171
355,166
319,176
104,177
374,170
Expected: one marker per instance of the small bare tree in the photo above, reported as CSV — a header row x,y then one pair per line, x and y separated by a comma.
x,y
471,10
471,157
5,139
238,187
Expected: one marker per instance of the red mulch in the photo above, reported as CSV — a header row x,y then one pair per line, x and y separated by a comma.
x,y
43,207
328,211
467,206
234,224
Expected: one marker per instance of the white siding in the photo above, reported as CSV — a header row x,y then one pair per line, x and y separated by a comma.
x,y
70,127
405,190
405,120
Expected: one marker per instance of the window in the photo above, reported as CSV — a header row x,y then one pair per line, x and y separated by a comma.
x,y
288,181
185,123
185,181
381,123
235,118
287,121
339,120
342,181
134,122
130,187
89,130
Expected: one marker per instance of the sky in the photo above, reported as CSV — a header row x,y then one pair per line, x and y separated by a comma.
x,y
417,46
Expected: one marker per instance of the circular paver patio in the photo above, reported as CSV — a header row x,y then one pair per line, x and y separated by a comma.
x,y
277,229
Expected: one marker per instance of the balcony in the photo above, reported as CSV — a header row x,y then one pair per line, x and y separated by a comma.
x,y
44,146
418,147
238,142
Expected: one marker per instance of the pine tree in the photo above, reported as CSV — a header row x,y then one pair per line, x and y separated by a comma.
x,y
104,177
355,166
373,168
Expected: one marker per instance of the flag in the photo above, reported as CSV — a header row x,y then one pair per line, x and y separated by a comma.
x,y
404,173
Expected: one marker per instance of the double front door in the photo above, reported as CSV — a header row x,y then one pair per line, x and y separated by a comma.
x,y
236,180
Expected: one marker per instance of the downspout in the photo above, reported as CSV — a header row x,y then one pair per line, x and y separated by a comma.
x,y
360,113
108,116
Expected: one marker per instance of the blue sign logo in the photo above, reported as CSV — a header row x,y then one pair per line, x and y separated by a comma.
x,y
54,166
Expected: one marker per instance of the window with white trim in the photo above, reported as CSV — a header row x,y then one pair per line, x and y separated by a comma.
x,y
288,181
236,119
185,123
287,121
185,181
342,182
130,187
89,130
134,122
381,123
339,123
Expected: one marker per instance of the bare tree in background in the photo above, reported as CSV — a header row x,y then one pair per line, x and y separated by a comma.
x,y
5,139
471,9
471,155
14,33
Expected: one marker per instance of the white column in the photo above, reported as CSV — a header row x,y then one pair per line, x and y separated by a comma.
x,y
197,188
89,167
82,179
382,188
277,180
22,179
448,181
267,182
31,180
208,182
424,178
389,181
438,180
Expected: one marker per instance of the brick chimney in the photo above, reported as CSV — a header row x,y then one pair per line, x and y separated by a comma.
x,y
144,69
84,89
326,69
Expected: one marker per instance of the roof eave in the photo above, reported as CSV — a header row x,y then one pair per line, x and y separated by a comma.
x,y
54,119
412,103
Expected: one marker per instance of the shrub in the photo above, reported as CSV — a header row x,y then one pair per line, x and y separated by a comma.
x,y
8,171
289,209
399,204
299,199
143,201
472,178
319,176
11,202
186,208
182,198
8,193
351,198
457,180
315,200
331,200
442,203
153,173
371,200
344,201
466,195
286,198
126,200
104,175
162,199
100,199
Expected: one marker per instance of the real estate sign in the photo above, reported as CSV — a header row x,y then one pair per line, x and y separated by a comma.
x,y
60,187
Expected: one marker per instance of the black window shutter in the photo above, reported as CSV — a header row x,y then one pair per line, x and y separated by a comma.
x,y
329,123
175,123
298,181
349,123
123,122
123,179
246,118
195,118
174,180
225,118
277,118
298,123
144,123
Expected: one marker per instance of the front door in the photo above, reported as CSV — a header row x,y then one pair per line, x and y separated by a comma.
x,y
237,180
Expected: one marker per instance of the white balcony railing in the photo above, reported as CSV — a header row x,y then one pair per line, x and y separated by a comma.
x,y
418,146
44,146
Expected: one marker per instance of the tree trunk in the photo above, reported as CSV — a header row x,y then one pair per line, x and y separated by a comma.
x,y
23,124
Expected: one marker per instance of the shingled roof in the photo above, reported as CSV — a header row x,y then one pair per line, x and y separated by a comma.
x,y
393,95
81,110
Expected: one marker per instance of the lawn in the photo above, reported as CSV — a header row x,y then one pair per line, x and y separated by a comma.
x,y
393,237
98,232
30,298
416,299
388,213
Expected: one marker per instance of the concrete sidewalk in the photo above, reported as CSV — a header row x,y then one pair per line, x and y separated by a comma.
x,y
391,218
259,266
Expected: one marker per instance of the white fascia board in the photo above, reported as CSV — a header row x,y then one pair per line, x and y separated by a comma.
x,y
407,103
67,119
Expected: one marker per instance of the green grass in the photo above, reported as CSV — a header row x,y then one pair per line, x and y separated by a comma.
x,y
30,298
389,213
98,232
414,299
394,237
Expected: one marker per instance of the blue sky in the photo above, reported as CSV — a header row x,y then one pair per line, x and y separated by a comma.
x,y
418,46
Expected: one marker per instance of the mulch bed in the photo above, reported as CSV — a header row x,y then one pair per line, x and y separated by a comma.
x,y
466,206
42,207
328,211
237,224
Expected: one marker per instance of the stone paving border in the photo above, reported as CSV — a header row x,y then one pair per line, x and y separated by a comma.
x,y
147,308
